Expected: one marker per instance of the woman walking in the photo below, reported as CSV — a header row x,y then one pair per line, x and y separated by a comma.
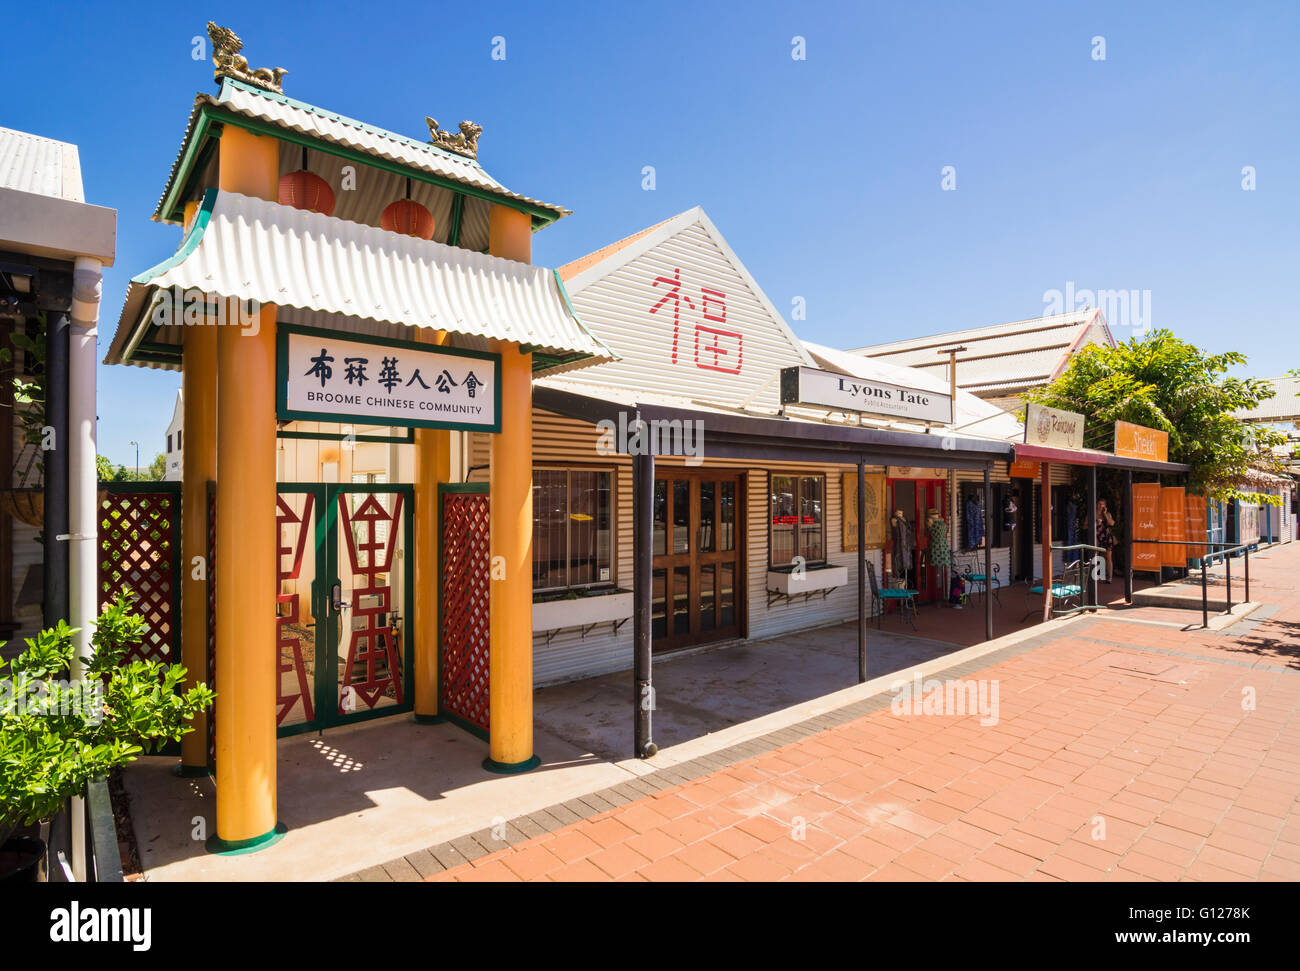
x,y
1106,536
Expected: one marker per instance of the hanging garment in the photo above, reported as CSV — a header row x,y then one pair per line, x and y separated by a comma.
x,y
1071,530
903,544
1009,510
940,554
974,523
903,539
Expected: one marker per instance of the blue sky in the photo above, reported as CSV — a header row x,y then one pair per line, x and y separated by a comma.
x,y
825,174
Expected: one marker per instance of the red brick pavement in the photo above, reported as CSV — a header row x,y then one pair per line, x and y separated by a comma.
x,y
1112,759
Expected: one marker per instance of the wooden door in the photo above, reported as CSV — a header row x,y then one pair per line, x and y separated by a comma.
x,y
697,592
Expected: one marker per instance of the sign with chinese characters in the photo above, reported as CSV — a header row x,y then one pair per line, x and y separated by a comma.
x,y
842,392
331,376
1052,427
1139,442
711,346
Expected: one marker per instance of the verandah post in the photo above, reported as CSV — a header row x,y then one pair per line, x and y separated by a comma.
x,y
643,481
862,571
988,557
245,597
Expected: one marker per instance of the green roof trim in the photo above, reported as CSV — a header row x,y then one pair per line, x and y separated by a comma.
x,y
344,119
210,114
189,244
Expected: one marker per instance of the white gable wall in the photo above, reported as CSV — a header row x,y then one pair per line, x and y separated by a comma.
x,y
730,341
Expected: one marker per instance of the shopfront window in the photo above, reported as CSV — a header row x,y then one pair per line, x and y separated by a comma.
x,y
573,519
798,520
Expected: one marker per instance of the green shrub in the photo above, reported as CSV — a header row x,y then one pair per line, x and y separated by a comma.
x,y
56,735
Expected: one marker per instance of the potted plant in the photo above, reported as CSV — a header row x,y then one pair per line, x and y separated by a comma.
x,y
56,735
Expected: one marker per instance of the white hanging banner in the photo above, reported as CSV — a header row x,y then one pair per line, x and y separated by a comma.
x,y
328,376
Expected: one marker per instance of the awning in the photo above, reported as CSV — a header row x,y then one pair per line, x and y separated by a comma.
x,y
726,434
1090,456
251,249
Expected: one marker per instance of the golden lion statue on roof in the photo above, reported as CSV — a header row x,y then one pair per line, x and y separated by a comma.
x,y
226,46
464,142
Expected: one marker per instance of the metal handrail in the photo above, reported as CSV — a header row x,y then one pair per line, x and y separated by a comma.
x,y
1225,554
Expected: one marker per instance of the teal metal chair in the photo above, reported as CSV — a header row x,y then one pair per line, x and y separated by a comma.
x,y
974,573
906,599
1067,590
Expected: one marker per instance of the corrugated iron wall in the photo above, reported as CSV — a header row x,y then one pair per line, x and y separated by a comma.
x,y
570,656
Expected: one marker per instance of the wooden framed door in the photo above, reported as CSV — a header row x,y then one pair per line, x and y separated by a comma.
x,y
697,580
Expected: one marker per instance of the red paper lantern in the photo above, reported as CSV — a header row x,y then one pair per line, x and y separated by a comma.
x,y
409,218
306,190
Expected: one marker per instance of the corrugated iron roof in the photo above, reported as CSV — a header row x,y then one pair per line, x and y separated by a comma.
x,y
328,126
249,248
1284,406
1001,358
30,163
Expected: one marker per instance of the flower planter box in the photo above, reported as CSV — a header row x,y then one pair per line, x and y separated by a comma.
x,y
585,612
811,580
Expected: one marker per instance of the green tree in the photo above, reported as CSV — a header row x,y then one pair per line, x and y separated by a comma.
x,y
157,468
1163,382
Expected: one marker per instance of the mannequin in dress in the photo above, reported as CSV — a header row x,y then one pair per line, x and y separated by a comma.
x,y
940,552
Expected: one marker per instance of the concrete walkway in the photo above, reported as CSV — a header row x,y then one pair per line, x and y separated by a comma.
x,y
380,791
1124,748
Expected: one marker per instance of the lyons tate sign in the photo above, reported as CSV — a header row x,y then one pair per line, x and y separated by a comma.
x,y
1048,426
327,376
840,392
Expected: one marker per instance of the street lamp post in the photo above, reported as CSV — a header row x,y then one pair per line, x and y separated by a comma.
x,y
137,459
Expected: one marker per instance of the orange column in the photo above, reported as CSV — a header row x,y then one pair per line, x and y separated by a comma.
x,y
432,466
510,547
245,553
510,653
199,466
510,234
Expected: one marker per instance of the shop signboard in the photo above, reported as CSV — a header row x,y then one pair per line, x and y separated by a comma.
x,y
1023,469
336,377
914,472
1247,523
1139,442
1053,427
842,392
1146,526
1173,525
1197,524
